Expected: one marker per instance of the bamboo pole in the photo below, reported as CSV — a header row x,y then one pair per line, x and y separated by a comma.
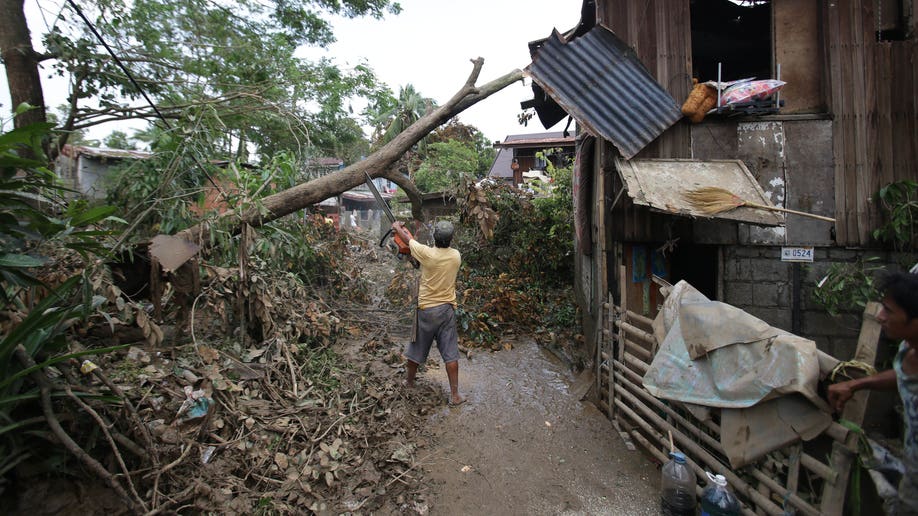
x,y
639,334
782,491
659,405
738,484
638,350
611,312
638,320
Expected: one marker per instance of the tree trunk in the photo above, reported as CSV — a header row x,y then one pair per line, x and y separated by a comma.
x,y
378,164
21,63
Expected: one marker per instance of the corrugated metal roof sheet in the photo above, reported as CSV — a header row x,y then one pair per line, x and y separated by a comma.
x,y
103,152
599,81
538,142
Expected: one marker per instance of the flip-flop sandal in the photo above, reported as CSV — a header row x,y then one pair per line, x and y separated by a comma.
x,y
451,403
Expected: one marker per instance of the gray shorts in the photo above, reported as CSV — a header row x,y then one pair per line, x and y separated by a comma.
x,y
438,322
907,504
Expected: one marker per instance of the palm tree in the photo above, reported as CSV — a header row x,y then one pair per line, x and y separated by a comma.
x,y
391,116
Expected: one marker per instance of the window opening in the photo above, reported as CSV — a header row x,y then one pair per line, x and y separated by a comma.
x,y
892,20
736,33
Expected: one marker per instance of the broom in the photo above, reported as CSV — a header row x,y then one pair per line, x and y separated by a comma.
x,y
713,199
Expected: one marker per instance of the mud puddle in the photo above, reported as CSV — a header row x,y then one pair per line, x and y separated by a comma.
x,y
524,444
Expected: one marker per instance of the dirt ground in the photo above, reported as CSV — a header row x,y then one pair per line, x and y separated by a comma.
x,y
524,444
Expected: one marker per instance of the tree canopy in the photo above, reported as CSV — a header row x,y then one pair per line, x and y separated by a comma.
x,y
229,71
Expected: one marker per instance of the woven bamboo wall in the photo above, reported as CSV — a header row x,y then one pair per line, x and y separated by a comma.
x,y
872,90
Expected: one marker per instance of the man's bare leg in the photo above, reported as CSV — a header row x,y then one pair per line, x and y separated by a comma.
x,y
452,373
412,369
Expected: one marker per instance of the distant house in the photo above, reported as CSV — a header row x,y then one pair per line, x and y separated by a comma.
x,y
81,167
318,167
517,155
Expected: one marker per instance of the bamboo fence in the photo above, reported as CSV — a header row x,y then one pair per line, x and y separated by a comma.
x,y
808,478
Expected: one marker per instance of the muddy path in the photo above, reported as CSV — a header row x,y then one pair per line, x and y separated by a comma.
x,y
525,444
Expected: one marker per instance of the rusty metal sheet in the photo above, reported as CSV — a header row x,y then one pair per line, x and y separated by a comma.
x,y
598,80
172,252
661,184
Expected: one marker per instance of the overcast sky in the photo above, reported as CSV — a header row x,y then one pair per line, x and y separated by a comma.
x,y
429,45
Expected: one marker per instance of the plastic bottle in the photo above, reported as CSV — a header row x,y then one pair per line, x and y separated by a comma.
x,y
717,500
677,487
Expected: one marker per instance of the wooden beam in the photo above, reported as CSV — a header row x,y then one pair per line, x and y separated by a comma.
x,y
842,457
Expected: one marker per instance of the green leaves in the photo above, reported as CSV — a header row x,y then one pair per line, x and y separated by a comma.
x,y
230,76
19,260
34,218
899,202
847,286
445,165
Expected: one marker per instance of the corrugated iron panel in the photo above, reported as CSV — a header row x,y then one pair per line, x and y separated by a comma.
x,y
102,152
537,142
661,184
599,81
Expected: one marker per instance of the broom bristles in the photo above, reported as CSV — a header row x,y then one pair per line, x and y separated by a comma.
x,y
713,199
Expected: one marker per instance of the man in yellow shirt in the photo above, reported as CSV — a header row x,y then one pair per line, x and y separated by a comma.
x,y
436,313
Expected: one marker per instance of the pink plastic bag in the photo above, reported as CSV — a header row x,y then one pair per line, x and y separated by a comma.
x,y
751,90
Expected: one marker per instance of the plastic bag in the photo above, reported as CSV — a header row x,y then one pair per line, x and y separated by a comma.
x,y
751,90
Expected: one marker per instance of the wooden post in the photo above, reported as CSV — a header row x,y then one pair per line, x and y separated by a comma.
x,y
610,311
842,458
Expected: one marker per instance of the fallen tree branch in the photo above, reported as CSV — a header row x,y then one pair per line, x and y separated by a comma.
x,y
59,432
377,164
132,410
111,442
167,467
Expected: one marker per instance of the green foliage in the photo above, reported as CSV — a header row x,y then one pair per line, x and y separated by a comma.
x,y
522,275
477,327
847,286
33,217
899,201
165,186
204,65
309,248
119,140
446,165
389,115
26,184
534,236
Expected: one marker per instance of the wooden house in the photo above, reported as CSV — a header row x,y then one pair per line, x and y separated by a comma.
x,y
847,125
522,153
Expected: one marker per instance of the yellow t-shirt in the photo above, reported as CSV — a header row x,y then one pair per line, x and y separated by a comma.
x,y
439,267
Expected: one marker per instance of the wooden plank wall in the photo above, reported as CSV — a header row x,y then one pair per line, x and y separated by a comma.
x,y
660,33
872,88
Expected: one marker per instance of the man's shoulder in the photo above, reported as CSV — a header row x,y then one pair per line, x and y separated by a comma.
x,y
414,244
450,252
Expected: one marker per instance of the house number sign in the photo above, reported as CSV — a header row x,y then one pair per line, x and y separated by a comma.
x,y
796,254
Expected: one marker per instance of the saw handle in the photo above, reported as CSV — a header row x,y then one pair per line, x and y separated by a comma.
x,y
403,248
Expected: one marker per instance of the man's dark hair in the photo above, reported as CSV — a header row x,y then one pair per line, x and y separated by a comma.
x,y
443,233
901,287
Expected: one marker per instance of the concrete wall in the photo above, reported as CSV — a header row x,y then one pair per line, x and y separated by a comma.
x,y
791,158
757,281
